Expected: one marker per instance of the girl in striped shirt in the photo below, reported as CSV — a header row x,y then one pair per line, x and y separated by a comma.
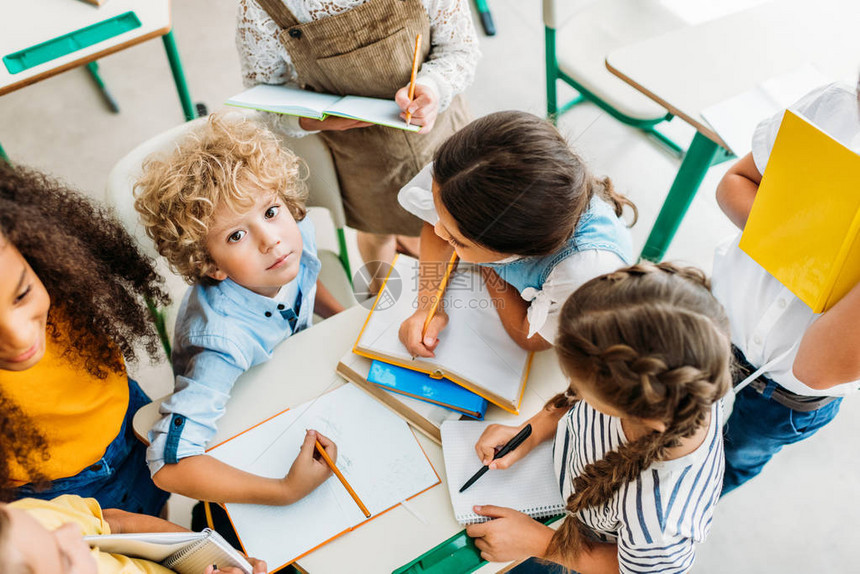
x,y
638,442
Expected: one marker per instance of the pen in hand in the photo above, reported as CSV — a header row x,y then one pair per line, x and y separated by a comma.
x,y
511,445
412,79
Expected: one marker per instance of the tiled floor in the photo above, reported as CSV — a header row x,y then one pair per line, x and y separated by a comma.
x,y
800,515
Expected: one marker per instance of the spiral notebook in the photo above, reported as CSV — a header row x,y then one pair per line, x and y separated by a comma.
x,y
183,552
529,486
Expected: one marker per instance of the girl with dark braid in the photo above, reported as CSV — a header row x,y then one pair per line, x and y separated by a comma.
x,y
72,313
638,443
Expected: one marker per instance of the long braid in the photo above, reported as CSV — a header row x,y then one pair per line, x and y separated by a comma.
x,y
652,342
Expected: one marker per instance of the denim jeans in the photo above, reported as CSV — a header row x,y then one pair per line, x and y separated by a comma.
x,y
759,427
120,479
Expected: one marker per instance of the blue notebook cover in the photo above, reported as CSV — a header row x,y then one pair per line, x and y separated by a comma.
x,y
423,387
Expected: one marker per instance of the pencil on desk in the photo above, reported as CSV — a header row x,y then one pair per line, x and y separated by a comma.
x,y
412,79
439,293
342,478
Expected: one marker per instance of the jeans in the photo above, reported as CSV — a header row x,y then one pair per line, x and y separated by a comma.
x,y
759,427
120,479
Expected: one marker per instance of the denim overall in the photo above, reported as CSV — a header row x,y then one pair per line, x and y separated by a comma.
x,y
598,229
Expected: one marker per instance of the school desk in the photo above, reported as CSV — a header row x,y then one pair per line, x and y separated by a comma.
x,y
41,38
302,368
690,69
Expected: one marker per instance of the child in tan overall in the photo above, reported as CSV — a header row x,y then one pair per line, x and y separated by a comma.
x,y
365,48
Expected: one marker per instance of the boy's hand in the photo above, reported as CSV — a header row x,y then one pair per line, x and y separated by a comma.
x,y
331,123
511,535
308,471
410,332
495,437
424,107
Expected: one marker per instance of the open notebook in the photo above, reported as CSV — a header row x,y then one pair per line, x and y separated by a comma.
x,y
377,453
182,552
305,103
474,350
529,486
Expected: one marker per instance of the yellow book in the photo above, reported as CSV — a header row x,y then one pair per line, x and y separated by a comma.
x,y
804,224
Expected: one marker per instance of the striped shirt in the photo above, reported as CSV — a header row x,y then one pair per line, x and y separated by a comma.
x,y
657,519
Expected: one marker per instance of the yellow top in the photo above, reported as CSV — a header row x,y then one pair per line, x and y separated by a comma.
x,y
78,414
86,513
804,226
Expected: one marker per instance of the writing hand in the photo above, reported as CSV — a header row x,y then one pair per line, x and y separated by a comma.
x,y
424,107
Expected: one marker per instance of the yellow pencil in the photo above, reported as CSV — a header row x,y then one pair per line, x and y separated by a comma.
x,y
439,293
342,478
412,80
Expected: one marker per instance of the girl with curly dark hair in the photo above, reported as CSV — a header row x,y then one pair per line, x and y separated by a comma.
x,y
72,313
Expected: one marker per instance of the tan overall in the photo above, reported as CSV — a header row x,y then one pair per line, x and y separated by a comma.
x,y
367,51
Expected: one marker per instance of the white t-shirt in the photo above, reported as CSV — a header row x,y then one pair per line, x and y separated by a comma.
x,y
767,320
657,519
416,197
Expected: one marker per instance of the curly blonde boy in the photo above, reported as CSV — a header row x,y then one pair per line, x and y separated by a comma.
x,y
224,161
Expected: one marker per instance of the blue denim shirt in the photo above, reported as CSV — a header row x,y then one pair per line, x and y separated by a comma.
x,y
222,331
598,228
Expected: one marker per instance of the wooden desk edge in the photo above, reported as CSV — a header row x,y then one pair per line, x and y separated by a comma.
x,y
84,60
699,124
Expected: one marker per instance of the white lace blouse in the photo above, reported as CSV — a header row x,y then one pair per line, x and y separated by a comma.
x,y
449,68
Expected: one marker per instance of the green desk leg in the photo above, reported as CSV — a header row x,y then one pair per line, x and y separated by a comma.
x,y
486,17
3,156
178,75
93,69
696,162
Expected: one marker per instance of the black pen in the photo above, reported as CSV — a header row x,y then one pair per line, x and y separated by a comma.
x,y
512,444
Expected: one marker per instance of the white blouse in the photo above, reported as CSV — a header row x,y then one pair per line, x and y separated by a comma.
x,y
449,69
416,197
768,321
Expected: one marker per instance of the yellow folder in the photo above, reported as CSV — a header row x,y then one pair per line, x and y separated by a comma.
x,y
804,224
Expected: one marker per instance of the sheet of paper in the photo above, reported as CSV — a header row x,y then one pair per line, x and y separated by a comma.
x,y
377,453
736,118
284,99
378,111
529,486
474,345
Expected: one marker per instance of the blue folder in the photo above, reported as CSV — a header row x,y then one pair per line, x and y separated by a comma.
x,y
423,387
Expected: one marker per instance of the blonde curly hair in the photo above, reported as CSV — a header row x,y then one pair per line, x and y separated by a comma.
x,y
221,162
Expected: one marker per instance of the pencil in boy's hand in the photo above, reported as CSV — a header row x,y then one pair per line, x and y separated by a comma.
x,y
412,78
440,292
511,445
341,477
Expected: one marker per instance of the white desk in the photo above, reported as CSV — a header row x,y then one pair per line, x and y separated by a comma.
x,y
690,69
27,24
304,367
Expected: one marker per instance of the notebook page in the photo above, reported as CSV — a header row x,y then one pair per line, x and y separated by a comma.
x,y
284,100
377,453
474,345
375,110
212,549
529,486
155,546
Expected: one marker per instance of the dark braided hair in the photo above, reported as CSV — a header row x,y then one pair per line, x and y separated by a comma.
x,y
97,280
513,185
651,341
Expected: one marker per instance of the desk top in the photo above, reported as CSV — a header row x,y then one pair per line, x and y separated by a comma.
x,y
689,69
26,23
304,367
